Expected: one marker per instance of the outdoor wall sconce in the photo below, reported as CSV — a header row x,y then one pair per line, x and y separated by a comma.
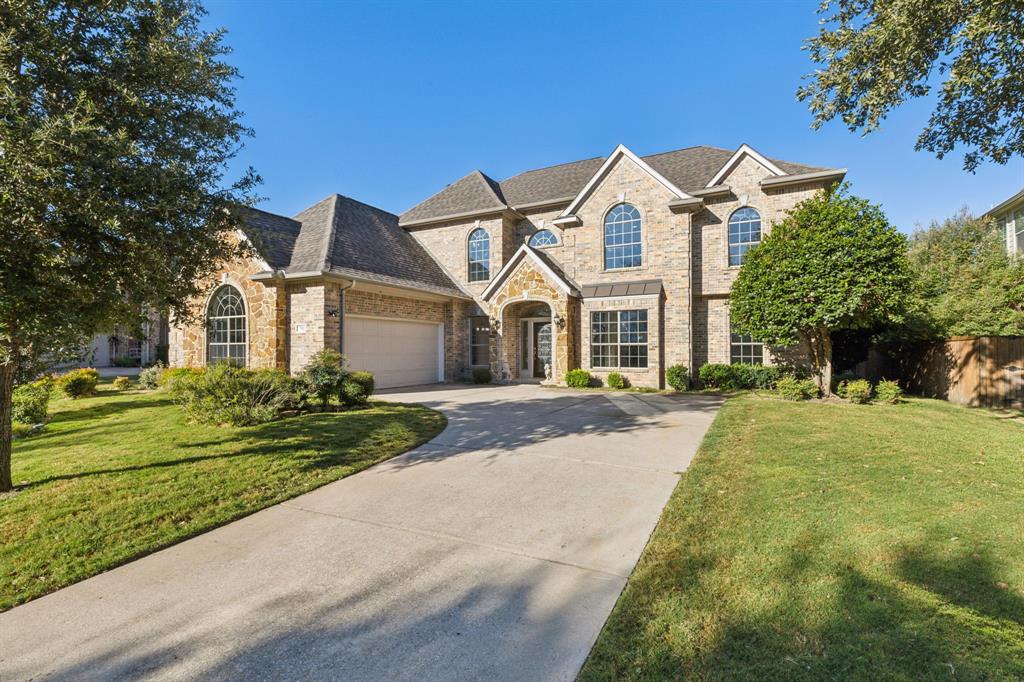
x,y
495,323
558,320
332,312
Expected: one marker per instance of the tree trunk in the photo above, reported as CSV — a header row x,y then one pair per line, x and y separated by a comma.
x,y
819,342
6,391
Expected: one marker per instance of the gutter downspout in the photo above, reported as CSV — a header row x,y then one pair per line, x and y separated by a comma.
x,y
341,315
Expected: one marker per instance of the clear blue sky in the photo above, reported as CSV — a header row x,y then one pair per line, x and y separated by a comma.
x,y
389,102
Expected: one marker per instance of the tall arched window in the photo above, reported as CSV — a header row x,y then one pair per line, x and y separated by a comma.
x,y
226,329
622,238
479,255
544,238
744,233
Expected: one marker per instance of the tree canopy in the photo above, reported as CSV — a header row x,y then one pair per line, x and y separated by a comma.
x,y
967,283
878,54
835,262
118,120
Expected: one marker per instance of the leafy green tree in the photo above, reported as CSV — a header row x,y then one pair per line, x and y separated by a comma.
x,y
117,122
877,54
833,263
967,283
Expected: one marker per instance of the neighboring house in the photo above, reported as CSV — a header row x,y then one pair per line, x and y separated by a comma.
x,y
123,348
619,264
1009,219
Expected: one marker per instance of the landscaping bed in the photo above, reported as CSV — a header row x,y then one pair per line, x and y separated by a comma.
x,y
825,540
121,474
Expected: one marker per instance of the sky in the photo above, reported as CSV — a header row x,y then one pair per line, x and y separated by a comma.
x,y
388,102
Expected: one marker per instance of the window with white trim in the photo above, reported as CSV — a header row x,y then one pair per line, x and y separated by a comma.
x,y
544,238
479,341
618,339
1018,227
743,350
226,329
623,238
479,253
744,233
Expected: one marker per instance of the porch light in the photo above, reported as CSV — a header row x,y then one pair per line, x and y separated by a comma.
x,y
558,320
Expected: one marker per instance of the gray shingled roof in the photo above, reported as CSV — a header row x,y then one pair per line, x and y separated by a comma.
x,y
348,238
688,169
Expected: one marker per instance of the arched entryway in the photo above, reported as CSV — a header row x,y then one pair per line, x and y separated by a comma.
x,y
529,341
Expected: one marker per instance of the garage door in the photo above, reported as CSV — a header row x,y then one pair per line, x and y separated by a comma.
x,y
399,353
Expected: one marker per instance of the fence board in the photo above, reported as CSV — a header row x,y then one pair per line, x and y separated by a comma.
x,y
985,371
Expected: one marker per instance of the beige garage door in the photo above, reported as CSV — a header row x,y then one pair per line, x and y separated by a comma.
x,y
399,353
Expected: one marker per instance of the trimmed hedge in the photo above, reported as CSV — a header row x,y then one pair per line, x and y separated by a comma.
x,y
858,391
122,383
677,377
578,378
888,392
356,388
617,381
739,376
791,388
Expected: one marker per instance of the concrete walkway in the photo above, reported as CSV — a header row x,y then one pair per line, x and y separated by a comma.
x,y
494,552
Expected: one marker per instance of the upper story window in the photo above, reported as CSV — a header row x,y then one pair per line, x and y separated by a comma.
x,y
744,233
226,329
622,238
544,238
479,255
1018,232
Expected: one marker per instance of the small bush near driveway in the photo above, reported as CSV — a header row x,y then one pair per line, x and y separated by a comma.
x,y
225,394
357,388
481,375
578,378
324,375
617,381
676,377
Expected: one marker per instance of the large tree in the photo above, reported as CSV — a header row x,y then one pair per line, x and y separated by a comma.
x,y
117,121
877,54
967,282
833,263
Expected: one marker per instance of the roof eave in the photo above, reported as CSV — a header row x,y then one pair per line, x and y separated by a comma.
x,y
419,222
1008,204
281,276
834,174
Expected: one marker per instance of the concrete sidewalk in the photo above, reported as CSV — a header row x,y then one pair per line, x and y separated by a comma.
x,y
494,552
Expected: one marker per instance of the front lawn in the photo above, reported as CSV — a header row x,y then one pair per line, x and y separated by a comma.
x,y
832,541
120,475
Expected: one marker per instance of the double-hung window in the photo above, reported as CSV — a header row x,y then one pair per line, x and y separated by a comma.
x,y
743,350
618,339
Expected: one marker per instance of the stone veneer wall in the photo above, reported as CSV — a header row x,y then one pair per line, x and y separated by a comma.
x,y
267,321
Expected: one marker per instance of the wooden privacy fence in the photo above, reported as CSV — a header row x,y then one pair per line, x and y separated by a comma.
x,y
986,371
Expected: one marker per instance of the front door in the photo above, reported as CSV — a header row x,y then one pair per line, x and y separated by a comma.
x,y
541,348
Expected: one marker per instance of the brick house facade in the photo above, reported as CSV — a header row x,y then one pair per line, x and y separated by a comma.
x,y
619,264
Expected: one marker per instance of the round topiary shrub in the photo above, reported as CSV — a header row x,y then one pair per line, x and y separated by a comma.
x,y
122,383
577,378
356,388
858,391
617,381
888,392
677,377
791,388
78,383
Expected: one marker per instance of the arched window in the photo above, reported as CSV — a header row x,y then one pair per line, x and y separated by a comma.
x,y
479,255
226,329
544,238
744,233
622,238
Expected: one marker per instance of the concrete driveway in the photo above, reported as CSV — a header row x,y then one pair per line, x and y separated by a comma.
x,y
494,552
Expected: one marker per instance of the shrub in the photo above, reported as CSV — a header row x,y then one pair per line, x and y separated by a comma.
x,y
888,392
481,375
676,377
858,391
78,382
714,375
23,430
225,394
840,381
149,378
324,375
578,378
791,388
764,377
617,381
122,383
356,388
170,375
30,402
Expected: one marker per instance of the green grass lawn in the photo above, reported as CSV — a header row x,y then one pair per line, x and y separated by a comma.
x,y
120,475
832,541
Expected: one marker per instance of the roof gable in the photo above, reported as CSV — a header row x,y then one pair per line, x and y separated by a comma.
x,y
744,151
620,152
525,252
473,193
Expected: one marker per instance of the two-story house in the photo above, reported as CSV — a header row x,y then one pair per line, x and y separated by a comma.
x,y
621,263
1008,217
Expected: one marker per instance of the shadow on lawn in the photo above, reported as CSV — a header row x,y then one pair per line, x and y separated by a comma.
x,y
955,623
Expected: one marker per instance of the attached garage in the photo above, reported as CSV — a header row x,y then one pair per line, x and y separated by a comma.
x,y
398,352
